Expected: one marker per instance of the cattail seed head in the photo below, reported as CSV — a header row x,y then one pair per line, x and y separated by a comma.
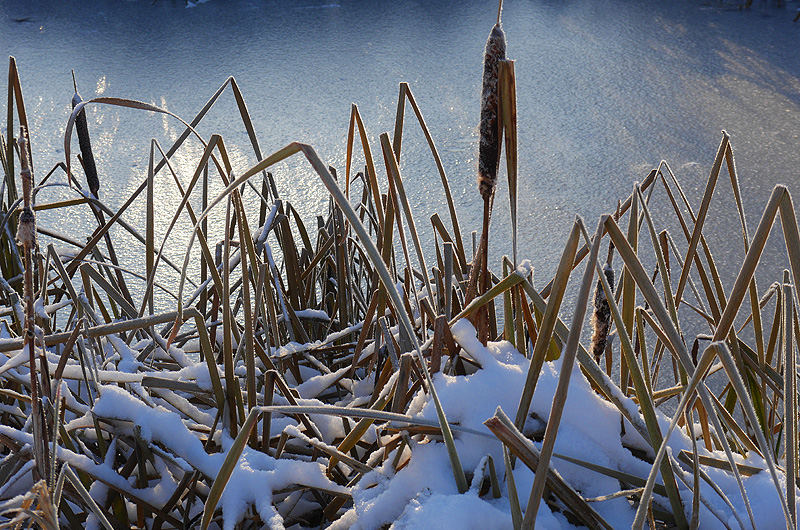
x,y
489,149
26,229
87,156
601,315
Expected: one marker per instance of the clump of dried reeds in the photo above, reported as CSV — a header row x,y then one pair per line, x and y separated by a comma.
x,y
282,303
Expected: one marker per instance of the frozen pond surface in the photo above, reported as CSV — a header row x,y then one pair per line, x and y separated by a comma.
x,y
605,91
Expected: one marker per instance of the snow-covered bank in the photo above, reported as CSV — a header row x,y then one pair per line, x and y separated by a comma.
x,y
410,486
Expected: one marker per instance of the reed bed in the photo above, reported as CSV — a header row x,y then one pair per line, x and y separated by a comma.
x,y
325,375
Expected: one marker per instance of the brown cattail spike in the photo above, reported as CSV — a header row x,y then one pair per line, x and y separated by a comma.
x,y
489,150
601,316
87,156
26,229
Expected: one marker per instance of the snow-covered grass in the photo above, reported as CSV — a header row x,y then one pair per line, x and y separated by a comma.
x,y
320,376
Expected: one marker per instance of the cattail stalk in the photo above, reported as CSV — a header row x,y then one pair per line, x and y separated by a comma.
x,y
488,162
26,236
93,182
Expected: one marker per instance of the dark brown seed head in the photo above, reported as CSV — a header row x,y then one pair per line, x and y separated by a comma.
x,y
489,150
26,229
87,156
601,316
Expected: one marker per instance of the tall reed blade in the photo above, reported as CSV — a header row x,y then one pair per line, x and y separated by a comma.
x,y
548,325
628,287
15,99
746,272
790,402
150,230
355,119
394,296
405,91
508,108
701,215
398,182
560,397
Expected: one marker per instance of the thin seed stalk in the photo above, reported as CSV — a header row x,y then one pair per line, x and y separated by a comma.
x,y
482,315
